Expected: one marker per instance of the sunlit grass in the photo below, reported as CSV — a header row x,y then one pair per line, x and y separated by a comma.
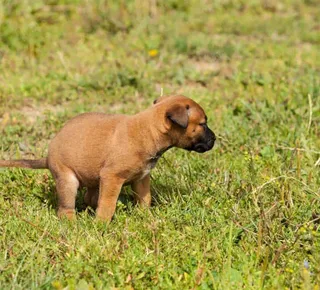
x,y
245,215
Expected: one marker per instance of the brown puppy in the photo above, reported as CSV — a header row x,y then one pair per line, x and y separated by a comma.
x,y
104,152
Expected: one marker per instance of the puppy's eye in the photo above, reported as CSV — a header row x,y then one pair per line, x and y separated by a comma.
x,y
203,124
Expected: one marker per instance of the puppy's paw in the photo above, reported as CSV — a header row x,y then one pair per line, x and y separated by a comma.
x,y
69,214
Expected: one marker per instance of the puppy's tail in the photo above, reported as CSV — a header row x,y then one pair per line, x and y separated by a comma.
x,y
26,163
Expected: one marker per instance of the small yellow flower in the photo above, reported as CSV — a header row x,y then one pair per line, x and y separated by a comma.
x,y
153,52
302,230
289,270
57,285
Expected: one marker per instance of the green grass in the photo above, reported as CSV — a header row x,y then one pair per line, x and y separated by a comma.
x,y
243,216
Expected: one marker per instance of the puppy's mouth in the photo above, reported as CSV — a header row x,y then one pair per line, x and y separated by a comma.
x,y
201,147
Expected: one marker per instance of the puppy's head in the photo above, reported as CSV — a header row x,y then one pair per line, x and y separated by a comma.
x,y
186,123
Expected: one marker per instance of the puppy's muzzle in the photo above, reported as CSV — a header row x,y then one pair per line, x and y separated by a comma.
x,y
205,143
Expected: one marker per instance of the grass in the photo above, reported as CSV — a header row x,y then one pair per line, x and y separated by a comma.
x,y
245,215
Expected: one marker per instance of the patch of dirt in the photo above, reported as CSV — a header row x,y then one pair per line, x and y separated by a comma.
x,y
30,113
203,65
210,66
34,112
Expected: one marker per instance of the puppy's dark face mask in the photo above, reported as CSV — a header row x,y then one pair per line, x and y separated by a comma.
x,y
187,124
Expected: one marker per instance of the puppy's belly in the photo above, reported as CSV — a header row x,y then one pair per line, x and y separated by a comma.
x,y
88,182
91,178
87,178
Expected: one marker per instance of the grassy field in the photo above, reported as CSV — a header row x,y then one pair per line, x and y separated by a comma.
x,y
243,216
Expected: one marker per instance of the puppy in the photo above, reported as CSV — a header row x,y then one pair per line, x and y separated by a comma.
x,y
104,152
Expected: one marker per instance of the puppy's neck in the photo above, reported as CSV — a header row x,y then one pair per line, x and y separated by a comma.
x,y
150,124
159,153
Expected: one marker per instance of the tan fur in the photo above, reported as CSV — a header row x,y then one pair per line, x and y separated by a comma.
x,y
104,152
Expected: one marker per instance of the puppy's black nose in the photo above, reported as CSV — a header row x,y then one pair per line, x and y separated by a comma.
x,y
211,137
211,143
214,137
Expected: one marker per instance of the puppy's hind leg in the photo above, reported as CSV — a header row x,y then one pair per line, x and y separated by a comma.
x,y
67,186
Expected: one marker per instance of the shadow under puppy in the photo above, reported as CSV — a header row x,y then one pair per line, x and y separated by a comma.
x,y
104,152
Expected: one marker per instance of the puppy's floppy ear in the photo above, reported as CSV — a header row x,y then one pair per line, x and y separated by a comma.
x,y
179,115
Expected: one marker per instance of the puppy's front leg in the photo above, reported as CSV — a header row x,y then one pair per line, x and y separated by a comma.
x,y
142,191
110,187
